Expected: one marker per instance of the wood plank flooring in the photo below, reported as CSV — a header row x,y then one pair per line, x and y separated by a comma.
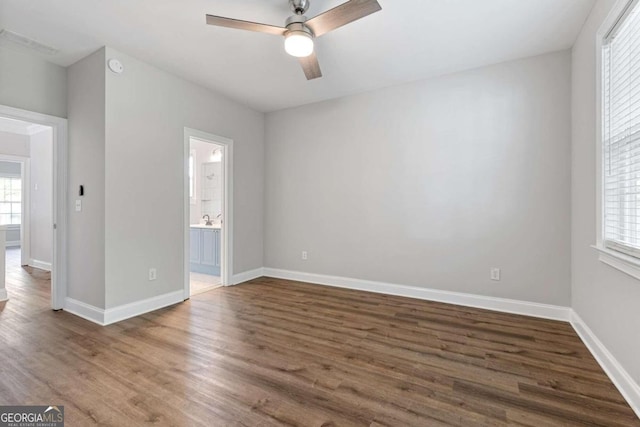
x,y
276,352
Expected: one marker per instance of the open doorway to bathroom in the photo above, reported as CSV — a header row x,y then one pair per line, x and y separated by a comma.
x,y
205,215
207,188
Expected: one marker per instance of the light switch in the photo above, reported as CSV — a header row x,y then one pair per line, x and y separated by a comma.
x,y
78,205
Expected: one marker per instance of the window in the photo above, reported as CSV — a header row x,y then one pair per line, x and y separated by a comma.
x,y
192,179
10,200
621,133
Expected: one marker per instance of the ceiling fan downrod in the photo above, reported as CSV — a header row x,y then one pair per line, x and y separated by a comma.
x,y
299,7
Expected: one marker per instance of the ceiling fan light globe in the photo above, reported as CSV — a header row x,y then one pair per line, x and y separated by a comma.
x,y
298,44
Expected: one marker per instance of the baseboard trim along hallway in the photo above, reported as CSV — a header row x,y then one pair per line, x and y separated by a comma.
x,y
122,312
42,265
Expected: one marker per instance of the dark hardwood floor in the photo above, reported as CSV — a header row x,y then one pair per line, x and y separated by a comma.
x,y
275,352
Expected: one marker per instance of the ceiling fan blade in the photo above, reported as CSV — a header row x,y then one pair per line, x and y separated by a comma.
x,y
311,67
342,15
244,25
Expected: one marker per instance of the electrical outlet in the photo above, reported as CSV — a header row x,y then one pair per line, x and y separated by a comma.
x,y
153,274
305,255
495,274
78,205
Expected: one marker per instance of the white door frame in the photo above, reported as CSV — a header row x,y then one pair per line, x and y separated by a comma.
x,y
227,204
25,219
59,215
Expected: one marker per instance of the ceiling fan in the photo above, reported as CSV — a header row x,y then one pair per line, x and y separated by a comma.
x,y
299,32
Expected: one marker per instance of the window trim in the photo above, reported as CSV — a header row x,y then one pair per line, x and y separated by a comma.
x,y
626,263
615,257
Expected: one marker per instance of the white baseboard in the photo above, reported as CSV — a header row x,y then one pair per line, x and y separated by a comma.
x,y
247,275
40,264
629,389
121,312
526,308
127,311
12,243
3,294
84,310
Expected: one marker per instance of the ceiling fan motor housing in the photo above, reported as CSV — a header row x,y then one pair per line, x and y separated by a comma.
x,y
299,7
296,23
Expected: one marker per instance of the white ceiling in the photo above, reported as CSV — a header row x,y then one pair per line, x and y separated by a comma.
x,y
408,40
20,127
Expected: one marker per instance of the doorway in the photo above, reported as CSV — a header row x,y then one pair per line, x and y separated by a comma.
x,y
208,211
33,202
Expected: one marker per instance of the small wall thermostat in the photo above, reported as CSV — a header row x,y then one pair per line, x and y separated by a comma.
x,y
115,66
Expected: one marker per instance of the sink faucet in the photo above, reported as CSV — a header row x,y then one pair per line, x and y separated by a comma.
x,y
208,220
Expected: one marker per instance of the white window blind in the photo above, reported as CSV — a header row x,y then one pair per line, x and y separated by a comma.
x,y
621,133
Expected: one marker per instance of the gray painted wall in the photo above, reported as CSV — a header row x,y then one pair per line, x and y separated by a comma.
x,y
41,197
86,243
605,298
126,147
146,112
13,235
431,183
14,144
32,84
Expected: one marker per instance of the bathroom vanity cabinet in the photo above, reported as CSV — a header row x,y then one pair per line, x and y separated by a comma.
x,y
205,249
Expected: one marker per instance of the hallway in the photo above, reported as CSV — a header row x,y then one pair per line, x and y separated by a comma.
x,y
29,288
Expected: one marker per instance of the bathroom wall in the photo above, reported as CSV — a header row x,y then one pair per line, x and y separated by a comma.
x,y
213,205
